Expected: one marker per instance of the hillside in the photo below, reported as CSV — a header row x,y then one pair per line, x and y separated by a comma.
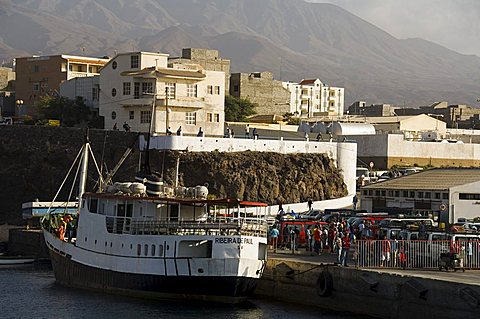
x,y
293,39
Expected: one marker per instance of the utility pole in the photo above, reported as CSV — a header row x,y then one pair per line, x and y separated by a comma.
x,y
166,109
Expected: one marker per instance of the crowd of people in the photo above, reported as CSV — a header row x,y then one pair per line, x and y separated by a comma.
x,y
62,225
334,238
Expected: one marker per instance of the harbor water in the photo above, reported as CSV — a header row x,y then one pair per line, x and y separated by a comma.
x,y
31,292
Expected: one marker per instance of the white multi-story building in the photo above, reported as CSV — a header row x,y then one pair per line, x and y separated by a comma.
x,y
184,95
85,87
313,98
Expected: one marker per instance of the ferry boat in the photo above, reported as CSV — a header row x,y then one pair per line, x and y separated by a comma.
x,y
149,240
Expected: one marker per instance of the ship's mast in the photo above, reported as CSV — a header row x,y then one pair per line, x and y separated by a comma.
x,y
83,170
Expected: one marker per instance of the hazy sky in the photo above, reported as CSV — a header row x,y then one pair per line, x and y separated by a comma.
x,y
451,23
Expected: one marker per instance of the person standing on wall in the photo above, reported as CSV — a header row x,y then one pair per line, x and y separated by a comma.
x,y
355,201
247,131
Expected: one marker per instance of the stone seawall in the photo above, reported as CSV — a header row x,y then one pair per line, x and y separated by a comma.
x,y
377,294
27,243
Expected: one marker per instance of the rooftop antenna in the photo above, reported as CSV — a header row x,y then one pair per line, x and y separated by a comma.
x,y
83,50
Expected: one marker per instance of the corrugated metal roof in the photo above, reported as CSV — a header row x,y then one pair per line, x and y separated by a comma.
x,y
434,179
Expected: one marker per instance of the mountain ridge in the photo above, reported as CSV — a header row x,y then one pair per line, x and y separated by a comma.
x,y
292,39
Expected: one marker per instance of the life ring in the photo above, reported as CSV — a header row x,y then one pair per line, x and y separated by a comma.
x,y
443,207
324,284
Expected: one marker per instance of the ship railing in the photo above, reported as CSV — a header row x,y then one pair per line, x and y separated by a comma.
x,y
414,254
226,227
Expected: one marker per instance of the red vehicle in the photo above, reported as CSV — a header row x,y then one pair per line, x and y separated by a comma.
x,y
285,227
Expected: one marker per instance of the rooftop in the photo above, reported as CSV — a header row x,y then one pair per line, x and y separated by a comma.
x,y
433,179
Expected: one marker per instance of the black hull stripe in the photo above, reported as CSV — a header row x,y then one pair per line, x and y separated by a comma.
x,y
213,288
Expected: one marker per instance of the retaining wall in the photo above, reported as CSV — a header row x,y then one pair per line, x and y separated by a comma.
x,y
370,293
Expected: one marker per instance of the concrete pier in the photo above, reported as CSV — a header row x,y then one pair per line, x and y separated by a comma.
x,y
316,281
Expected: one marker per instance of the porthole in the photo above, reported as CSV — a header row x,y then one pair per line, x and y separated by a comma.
x,y
114,65
95,241
114,91
122,245
105,244
200,270
110,244
114,115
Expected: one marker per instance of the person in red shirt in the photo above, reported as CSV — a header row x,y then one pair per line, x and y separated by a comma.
x,y
316,238
345,248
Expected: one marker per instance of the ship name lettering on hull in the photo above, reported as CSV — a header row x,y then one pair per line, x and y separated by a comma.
x,y
233,240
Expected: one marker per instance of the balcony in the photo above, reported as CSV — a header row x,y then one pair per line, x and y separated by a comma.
x,y
183,102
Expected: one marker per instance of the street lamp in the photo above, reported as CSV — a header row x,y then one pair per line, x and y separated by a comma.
x,y
19,104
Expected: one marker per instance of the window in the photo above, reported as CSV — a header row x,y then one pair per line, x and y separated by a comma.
x,y
92,207
191,118
217,90
131,115
36,68
235,88
145,116
114,65
466,196
397,193
170,90
94,94
217,117
420,194
383,193
136,90
126,88
412,194
365,192
153,250
146,250
444,195
114,115
36,87
428,195
437,195
389,193
191,90
209,117
209,89
114,92
147,87
160,250
377,193
134,61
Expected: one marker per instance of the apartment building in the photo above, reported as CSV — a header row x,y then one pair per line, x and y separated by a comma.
x,y
312,97
184,95
37,76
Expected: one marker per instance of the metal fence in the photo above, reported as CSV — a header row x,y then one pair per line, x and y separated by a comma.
x,y
414,254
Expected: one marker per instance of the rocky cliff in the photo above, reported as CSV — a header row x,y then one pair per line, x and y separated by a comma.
x,y
35,160
255,176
